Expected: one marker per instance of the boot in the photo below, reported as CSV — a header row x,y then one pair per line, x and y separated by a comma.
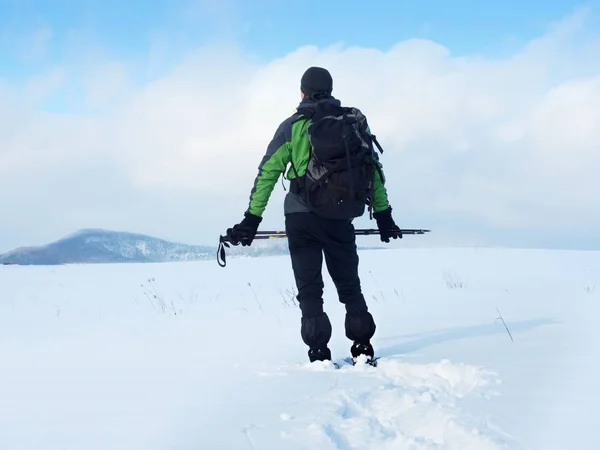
x,y
362,349
319,354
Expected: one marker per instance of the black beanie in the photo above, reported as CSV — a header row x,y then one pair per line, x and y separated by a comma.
x,y
316,80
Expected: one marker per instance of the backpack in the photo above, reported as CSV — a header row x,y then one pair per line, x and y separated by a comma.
x,y
339,178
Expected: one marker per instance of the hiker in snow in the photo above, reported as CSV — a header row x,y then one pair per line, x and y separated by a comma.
x,y
318,216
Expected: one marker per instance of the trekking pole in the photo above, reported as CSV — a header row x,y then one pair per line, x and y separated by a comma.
x,y
368,232
358,232
225,242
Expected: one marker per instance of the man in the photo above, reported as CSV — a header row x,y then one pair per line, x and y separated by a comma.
x,y
311,235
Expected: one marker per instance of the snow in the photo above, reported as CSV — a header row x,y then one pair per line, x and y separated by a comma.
x,y
190,355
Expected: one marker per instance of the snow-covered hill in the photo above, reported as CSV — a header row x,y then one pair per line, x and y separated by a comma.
x,y
193,356
106,246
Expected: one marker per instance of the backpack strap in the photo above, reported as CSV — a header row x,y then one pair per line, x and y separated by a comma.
x,y
376,142
301,113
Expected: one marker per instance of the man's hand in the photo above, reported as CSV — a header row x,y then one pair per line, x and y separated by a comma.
x,y
245,231
387,227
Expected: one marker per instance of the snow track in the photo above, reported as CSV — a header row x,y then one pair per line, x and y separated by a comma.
x,y
397,405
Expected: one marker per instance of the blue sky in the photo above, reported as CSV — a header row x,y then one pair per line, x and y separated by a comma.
x,y
266,28
152,37
496,149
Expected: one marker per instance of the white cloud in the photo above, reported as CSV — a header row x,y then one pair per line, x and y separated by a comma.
x,y
509,142
106,85
36,44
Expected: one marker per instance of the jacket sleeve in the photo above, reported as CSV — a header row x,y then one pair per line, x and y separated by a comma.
x,y
273,164
380,196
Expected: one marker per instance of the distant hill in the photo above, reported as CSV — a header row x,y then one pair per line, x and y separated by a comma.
x,y
105,246
94,246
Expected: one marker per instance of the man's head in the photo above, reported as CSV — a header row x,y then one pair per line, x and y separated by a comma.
x,y
316,83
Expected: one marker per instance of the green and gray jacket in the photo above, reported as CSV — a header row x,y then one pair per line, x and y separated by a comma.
x,y
290,146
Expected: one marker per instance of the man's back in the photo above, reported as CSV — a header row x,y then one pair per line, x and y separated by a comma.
x,y
288,153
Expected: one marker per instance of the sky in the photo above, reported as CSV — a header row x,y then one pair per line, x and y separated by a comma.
x,y
152,117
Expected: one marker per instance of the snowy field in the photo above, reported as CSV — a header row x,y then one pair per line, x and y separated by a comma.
x,y
192,356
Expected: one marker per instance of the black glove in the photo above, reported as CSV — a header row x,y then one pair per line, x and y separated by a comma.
x,y
245,231
387,227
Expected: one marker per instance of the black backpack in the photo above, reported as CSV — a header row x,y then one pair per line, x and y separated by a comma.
x,y
339,178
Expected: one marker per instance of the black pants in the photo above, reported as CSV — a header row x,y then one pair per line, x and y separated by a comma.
x,y
310,237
